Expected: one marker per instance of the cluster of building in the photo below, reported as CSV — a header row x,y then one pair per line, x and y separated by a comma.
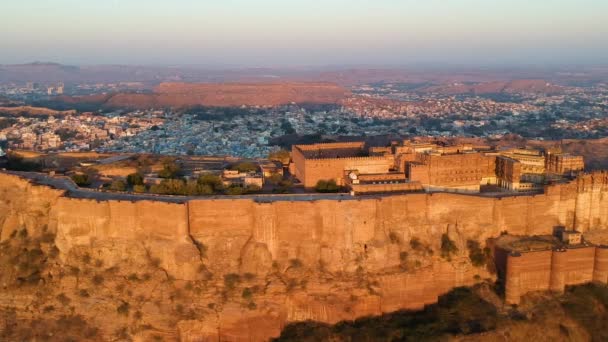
x,y
78,132
243,136
393,109
415,166
577,112
376,110
44,90
596,126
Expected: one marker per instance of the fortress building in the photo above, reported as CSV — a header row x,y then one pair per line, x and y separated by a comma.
x,y
413,166
547,263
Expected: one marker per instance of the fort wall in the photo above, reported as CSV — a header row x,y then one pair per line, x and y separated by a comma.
x,y
246,236
552,270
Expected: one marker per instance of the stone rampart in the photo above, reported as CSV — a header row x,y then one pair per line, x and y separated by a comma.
x,y
552,270
341,236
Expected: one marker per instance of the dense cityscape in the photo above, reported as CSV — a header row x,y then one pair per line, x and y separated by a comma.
x,y
576,112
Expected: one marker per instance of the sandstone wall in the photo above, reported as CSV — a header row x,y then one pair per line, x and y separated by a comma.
x,y
356,241
310,171
453,169
23,205
135,232
334,232
552,270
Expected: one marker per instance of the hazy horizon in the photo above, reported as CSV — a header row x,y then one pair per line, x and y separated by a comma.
x,y
271,33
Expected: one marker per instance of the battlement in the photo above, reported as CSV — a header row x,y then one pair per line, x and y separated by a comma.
x,y
362,158
552,269
310,147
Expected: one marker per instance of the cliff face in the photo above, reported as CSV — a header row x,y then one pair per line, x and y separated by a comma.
x,y
241,269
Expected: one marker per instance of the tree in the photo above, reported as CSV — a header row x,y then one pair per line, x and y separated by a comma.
x,y
275,178
287,127
135,179
252,188
139,188
280,156
209,184
285,186
235,190
118,185
244,167
170,169
327,186
81,179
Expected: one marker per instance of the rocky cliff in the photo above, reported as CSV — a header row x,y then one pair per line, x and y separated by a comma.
x,y
241,269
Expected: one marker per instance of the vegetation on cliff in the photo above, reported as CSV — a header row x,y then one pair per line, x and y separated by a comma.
x,y
474,312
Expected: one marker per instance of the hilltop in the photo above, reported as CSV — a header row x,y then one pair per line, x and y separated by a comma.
x,y
182,95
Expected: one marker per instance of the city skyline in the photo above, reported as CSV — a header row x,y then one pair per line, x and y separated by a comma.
x,y
337,32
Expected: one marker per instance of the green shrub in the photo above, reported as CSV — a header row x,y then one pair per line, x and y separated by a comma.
x,y
123,308
63,299
135,179
448,247
235,190
244,167
327,186
23,233
476,254
231,280
459,312
210,183
98,279
170,170
139,188
81,179
588,305
247,293
118,185
416,244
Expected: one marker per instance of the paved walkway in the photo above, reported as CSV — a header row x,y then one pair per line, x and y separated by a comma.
x,y
72,190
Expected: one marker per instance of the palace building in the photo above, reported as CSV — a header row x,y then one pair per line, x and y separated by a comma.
x,y
415,166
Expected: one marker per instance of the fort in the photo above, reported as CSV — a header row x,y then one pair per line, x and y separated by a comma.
x,y
431,166
357,240
543,263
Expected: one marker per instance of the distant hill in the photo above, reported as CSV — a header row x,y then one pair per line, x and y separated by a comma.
x,y
45,72
183,95
509,87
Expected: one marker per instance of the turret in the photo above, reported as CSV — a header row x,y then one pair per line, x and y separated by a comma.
x,y
559,260
512,278
600,269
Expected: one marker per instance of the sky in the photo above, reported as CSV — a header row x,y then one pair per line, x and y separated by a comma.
x,y
267,33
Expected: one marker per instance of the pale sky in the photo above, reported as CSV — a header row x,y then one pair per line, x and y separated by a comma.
x,y
305,32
